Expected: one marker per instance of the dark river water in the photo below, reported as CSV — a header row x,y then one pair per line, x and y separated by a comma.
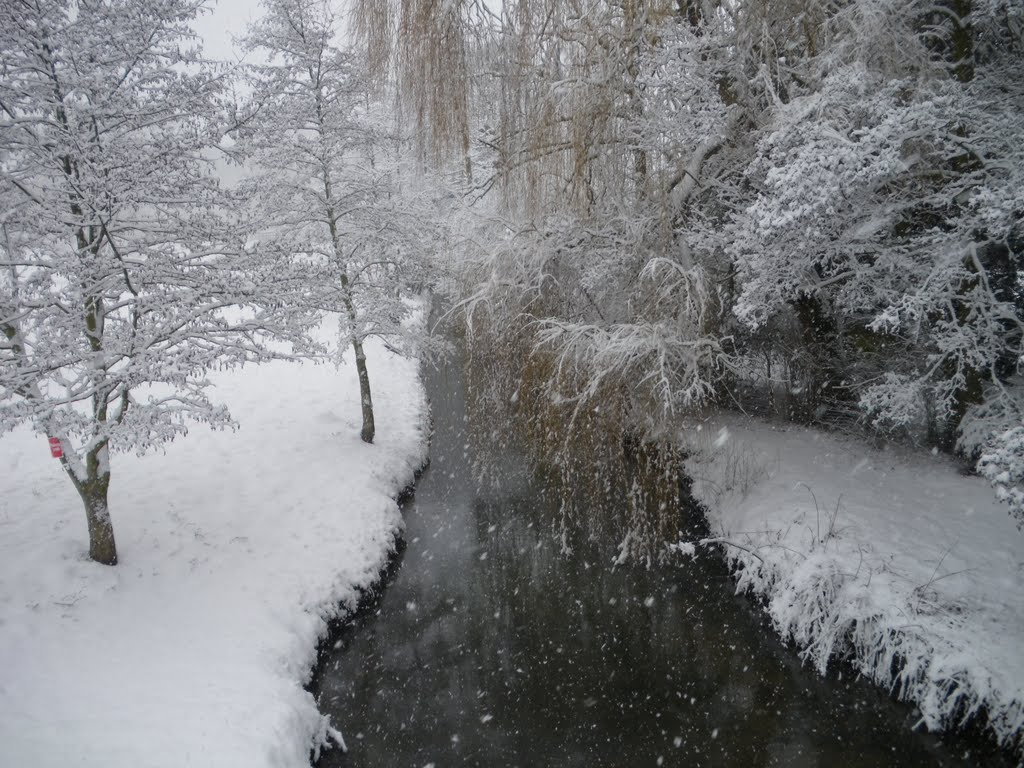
x,y
489,646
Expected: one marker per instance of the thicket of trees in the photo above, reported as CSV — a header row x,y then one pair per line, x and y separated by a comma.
x,y
810,208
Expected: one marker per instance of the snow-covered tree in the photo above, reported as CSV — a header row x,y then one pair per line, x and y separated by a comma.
x,y
119,287
605,129
602,134
888,221
327,186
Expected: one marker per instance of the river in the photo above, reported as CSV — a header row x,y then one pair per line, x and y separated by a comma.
x,y
489,646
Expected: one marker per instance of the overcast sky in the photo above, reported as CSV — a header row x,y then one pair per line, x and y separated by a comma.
x,y
225,18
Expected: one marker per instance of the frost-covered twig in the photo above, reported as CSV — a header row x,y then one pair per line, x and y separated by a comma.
x,y
687,547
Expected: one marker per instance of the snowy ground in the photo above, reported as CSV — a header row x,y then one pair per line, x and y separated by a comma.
x,y
889,555
233,547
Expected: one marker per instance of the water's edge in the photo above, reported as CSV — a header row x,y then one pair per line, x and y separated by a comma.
x,y
346,625
345,621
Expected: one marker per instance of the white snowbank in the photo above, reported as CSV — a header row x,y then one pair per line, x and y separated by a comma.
x,y
234,548
890,558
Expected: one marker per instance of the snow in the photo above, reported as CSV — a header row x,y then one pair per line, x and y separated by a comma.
x,y
235,548
890,558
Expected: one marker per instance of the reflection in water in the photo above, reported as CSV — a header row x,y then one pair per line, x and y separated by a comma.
x,y
491,647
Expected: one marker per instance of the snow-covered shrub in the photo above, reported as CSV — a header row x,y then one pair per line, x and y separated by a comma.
x,y
1002,463
809,608
992,434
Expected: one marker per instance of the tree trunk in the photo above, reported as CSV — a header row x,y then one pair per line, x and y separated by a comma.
x,y
962,40
822,367
366,401
101,530
369,430
972,393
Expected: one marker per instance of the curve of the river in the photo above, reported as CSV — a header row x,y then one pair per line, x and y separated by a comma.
x,y
491,647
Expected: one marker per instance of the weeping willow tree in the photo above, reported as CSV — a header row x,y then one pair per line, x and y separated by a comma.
x,y
587,128
608,139
426,47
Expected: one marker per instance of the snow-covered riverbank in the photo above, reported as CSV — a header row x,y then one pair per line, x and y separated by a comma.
x,y
891,558
235,547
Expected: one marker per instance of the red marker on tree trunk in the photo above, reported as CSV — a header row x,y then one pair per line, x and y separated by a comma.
x,y
55,450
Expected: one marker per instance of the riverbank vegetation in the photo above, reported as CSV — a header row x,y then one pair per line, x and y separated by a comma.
x,y
804,210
